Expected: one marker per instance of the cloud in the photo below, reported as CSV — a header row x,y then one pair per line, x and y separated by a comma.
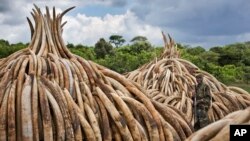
x,y
80,28
15,33
197,19
13,24
118,3
15,11
88,30
218,17
4,6
195,22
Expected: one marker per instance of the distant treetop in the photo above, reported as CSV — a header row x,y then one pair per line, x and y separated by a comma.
x,y
117,40
139,38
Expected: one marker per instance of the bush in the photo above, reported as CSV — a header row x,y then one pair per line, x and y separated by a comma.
x,y
103,48
230,73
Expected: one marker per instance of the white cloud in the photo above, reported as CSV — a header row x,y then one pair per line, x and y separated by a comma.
x,y
80,28
216,22
88,30
15,33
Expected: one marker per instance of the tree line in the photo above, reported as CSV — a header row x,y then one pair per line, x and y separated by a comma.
x,y
229,63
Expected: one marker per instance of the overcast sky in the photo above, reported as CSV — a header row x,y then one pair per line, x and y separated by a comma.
x,y
194,22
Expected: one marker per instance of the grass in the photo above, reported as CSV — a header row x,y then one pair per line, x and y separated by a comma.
x,y
241,85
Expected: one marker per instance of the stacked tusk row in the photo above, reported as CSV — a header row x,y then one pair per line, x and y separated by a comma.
x,y
220,130
48,93
171,80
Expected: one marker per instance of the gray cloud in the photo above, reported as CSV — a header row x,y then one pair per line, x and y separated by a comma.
x,y
214,17
13,13
5,5
195,22
4,8
119,2
198,21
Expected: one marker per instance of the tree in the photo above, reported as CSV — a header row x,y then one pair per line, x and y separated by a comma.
x,y
6,49
138,47
230,73
232,54
216,49
246,74
246,57
139,39
140,43
117,40
103,48
70,45
4,43
210,56
181,47
79,46
84,51
195,50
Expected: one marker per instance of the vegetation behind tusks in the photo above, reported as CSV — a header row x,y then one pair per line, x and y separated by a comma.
x,y
171,80
219,130
48,93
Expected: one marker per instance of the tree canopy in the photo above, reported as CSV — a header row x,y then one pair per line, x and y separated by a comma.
x,y
117,40
102,48
139,38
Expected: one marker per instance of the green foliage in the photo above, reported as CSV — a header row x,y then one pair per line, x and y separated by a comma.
x,y
246,57
180,46
70,45
246,74
117,40
233,54
140,43
138,47
225,63
230,73
124,60
120,62
218,50
84,52
209,56
4,43
196,50
6,49
139,39
103,48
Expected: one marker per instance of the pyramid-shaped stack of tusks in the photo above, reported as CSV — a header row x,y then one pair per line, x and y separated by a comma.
x,y
48,93
171,80
220,130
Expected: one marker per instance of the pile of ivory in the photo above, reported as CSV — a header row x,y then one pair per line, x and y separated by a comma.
x,y
48,93
219,130
171,80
